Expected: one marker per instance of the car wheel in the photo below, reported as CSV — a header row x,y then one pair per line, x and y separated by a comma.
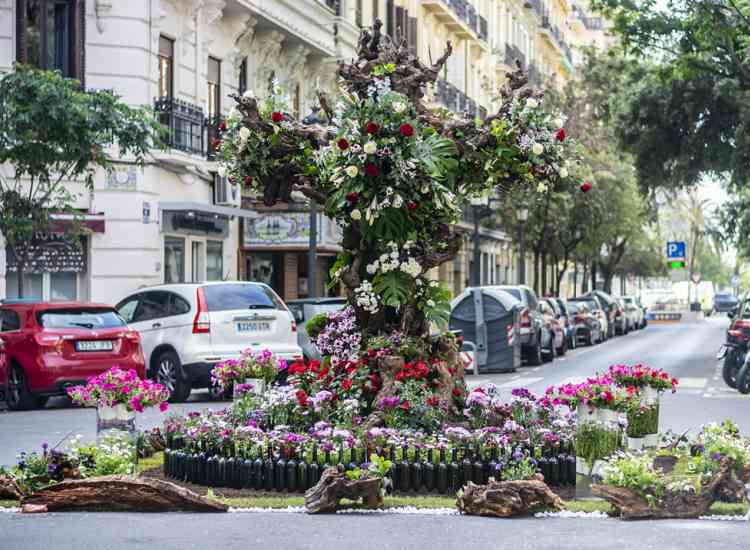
x,y
573,343
170,375
535,357
550,354
19,397
743,379
563,349
730,369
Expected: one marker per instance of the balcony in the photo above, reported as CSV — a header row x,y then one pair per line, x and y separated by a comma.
x,y
212,134
535,76
593,23
334,6
535,5
455,100
483,29
513,54
458,15
184,122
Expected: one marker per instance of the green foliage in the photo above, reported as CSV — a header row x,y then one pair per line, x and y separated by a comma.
x,y
595,441
394,287
634,472
516,471
379,466
315,325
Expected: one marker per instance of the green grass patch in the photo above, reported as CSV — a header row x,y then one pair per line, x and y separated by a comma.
x,y
588,505
9,504
286,501
728,509
155,461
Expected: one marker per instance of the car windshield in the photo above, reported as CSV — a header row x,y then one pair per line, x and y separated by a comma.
x,y
228,297
515,292
89,318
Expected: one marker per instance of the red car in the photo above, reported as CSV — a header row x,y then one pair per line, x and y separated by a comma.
x,y
50,346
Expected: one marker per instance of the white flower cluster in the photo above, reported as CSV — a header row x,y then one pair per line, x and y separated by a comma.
x,y
366,297
389,261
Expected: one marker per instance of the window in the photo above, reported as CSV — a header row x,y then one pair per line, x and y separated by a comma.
x,y
90,318
63,286
358,13
375,10
297,101
242,82
238,296
178,306
196,262
33,285
50,35
214,261
152,305
127,308
214,87
174,260
9,320
166,67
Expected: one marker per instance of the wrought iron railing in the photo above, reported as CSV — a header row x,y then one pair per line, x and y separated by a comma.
x,y
184,123
483,29
212,135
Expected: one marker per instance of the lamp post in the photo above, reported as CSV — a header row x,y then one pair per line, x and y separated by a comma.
x,y
523,215
481,207
312,254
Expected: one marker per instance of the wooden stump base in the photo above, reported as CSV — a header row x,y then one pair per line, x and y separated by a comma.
x,y
121,494
682,505
507,498
8,489
333,486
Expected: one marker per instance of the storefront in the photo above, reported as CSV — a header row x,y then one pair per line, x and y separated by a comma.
x,y
275,249
194,240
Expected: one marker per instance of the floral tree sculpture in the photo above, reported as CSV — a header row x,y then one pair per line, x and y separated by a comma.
x,y
395,175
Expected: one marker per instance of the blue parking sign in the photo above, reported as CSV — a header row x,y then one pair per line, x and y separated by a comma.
x,y
675,250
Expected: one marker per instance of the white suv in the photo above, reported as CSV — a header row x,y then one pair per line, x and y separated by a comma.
x,y
187,328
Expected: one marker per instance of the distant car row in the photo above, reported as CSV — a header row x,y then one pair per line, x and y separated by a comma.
x,y
174,334
544,328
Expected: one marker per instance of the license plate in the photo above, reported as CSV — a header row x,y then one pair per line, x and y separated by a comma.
x,y
94,345
253,326
721,353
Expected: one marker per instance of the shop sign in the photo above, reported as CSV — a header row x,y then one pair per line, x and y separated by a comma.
x,y
122,177
196,223
289,228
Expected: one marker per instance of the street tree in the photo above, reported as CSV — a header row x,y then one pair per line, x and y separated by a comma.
x,y
54,135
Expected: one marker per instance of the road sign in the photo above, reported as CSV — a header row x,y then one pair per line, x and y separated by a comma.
x,y
676,251
678,265
736,281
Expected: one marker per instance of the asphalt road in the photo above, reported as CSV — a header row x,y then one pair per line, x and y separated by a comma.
x,y
686,350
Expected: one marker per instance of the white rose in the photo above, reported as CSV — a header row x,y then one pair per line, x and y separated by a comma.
x,y
244,134
558,123
398,201
356,215
399,107
370,147
222,170
532,103
351,171
563,172
249,94
537,148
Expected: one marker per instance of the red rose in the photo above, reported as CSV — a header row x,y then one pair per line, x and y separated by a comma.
x,y
223,126
406,405
560,135
346,384
372,352
585,187
277,116
343,144
372,128
456,392
313,365
411,205
301,398
217,144
372,170
407,130
248,180
352,197
432,401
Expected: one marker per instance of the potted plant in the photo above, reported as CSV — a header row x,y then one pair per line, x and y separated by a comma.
x,y
640,420
251,372
117,395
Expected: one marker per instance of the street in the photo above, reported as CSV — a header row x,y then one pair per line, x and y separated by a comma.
x,y
685,350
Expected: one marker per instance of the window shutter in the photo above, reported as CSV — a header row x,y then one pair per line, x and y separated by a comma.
x,y
400,30
390,17
413,43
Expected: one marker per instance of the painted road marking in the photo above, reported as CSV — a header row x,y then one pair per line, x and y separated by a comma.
x,y
692,383
520,383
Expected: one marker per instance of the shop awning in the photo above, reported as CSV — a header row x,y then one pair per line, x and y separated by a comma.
x,y
206,209
60,223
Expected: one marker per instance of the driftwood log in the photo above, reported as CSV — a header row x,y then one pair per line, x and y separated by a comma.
x,y
121,494
333,486
675,505
507,498
8,488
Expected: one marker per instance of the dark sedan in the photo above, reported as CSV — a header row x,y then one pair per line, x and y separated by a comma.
x,y
725,302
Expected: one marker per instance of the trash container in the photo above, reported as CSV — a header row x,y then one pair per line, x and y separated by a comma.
x,y
489,318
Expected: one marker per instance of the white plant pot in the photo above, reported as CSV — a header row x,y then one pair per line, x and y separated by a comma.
x,y
650,396
651,441
585,469
635,443
586,413
607,416
117,417
259,385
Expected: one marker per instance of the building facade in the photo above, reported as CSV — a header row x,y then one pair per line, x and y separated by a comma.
x,y
174,220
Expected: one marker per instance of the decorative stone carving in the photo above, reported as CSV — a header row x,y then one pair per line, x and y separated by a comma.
x,y
292,71
243,41
101,9
265,55
212,10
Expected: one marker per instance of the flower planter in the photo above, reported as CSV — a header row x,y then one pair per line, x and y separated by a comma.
x,y
665,463
607,416
259,385
586,413
586,469
650,396
635,443
651,441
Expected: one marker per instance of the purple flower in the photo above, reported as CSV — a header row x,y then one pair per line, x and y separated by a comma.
x,y
716,456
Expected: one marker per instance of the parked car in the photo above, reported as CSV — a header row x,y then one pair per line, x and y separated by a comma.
x,y
725,302
560,326
594,307
622,321
562,305
607,305
586,325
186,329
534,331
304,310
638,314
51,346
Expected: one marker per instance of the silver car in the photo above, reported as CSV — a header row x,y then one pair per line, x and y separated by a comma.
x,y
304,310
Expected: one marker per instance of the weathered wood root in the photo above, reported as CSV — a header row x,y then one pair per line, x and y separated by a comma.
x,y
8,489
507,498
121,494
333,486
681,505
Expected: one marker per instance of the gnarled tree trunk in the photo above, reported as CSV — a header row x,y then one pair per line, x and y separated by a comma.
x,y
333,486
504,499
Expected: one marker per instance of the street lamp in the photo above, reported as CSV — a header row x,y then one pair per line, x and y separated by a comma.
x,y
523,215
312,255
